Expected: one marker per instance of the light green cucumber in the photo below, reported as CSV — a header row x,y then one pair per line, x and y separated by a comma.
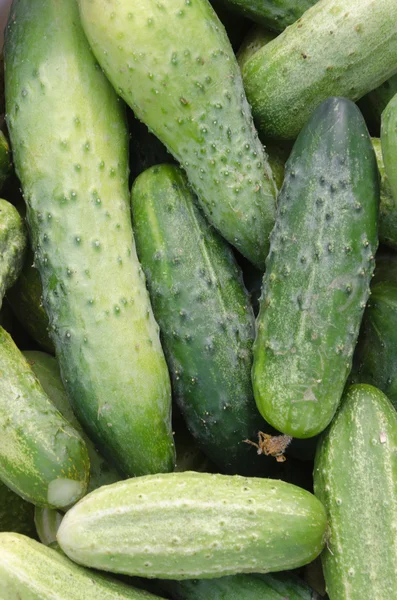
x,y
46,369
318,271
42,457
274,14
173,64
355,476
5,159
13,241
15,513
334,49
47,522
206,321
31,571
194,525
389,146
70,142
388,204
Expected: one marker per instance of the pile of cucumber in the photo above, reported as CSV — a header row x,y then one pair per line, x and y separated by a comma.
x,y
198,300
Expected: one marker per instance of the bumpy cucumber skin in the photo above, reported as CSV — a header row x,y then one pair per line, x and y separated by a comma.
x,y
47,522
15,513
194,525
5,159
205,318
318,271
379,98
388,206
173,64
70,149
31,571
274,14
26,300
355,476
37,445
332,50
46,369
13,242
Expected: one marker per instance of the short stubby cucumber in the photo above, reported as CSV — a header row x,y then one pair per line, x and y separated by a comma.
x,y
355,476
70,142
334,49
173,64
42,457
47,522
194,526
206,321
318,271
13,242
46,369
31,571
274,14
16,514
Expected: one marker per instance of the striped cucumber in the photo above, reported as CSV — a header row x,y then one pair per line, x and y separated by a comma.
x,y
205,318
75,183
47,522
46,369
42,457
334,49
31,571
173,64
355,476
15,513
318,271
274,14
194,525
13,243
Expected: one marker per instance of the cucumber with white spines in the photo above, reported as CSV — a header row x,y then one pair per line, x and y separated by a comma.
x,y
355,476
42,457
70,142
173,64
13,242
32,571
47,522
334,49
194,526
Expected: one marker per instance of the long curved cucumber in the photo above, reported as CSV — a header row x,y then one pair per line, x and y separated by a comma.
x,y
173,64
194,525
42,457
355,476
16,514
46,369
334,49
75,183
31,571
205,318
13,241
274,14
318,271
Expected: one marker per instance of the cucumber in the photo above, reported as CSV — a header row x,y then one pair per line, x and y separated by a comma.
x,y
173,64
389,144
256,38
379,98
76,190
13,242
274,14
31,571
376,354
5,159
205,319
47,522
239,587
26,300
388,205
334,49
42,457
194,525
355,476
15,513
46,369
318,271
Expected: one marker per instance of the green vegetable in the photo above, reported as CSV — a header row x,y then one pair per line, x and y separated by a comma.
x,y
318,271
12,246
355,476
335,49
274,14
5,159
70,150
47,522
42,457
173,64
387,207
15,513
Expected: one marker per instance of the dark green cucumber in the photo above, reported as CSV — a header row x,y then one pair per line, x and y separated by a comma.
x,y
46,369
69,136
206,321
274,14
334,49
5,159
379,98
318,271
388,204
15,513
42,457
31,571
194,525
47,522
13,241
26,301
173,64
355,476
